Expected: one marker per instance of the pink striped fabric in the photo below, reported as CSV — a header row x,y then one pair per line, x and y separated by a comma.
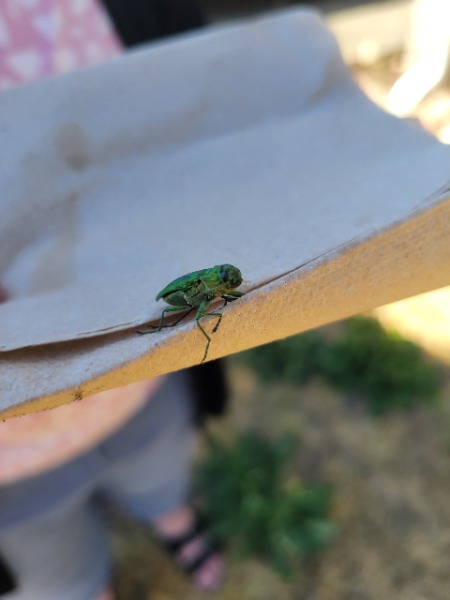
x,y
39,38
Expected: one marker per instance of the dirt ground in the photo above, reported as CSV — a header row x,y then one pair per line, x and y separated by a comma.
x,y
391,477
392,484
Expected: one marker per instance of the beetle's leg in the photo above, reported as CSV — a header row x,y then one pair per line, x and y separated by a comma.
x,y
231,297
181,318
216,326
161,321
201,313
207,343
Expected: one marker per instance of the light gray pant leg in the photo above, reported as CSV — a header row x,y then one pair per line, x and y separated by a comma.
x,y
155,479
61,555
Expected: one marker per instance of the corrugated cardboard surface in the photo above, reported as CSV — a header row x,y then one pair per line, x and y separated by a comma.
x,y
248,145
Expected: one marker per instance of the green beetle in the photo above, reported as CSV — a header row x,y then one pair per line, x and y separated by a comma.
x,y
198,290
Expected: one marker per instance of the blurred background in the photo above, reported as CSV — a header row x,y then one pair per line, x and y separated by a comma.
x,y
329,477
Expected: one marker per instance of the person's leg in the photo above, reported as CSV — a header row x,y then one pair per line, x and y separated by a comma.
x,y
150,458
152,483
60,555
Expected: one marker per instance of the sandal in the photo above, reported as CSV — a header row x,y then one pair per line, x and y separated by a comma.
x,y
176,547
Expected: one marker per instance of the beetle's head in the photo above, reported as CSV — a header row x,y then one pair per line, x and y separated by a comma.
x,y
230,276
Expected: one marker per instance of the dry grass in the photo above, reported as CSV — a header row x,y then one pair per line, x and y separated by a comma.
x,y
392,479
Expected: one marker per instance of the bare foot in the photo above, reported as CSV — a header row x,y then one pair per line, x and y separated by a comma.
x,y
174,525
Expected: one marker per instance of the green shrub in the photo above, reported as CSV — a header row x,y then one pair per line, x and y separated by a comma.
x,y
251,503
295,359
386,369
390,371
